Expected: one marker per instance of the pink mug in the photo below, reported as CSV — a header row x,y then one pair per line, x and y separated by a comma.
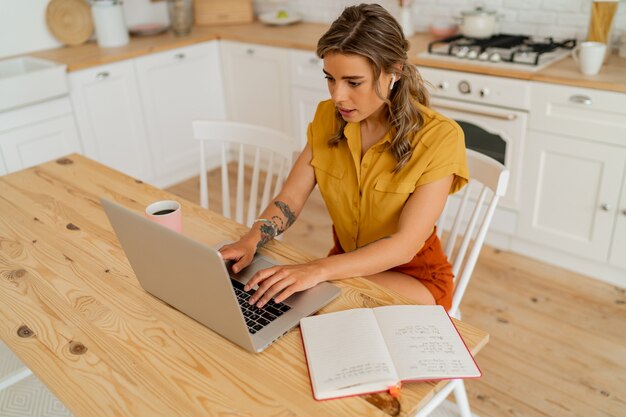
x,y
166,213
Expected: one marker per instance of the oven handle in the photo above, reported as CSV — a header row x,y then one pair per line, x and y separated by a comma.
x,y
499,116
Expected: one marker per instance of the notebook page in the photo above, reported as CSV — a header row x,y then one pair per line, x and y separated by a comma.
x,y
424,343
345,350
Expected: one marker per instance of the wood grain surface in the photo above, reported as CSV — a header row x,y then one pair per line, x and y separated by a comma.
x,y
304,36
73,311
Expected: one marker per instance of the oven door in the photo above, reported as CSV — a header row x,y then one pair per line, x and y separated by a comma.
x,y
496,132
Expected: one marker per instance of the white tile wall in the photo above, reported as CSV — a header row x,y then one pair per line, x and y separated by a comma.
x,y
557,18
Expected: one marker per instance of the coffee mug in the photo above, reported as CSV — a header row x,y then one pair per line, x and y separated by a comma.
x,y
166,213
589,56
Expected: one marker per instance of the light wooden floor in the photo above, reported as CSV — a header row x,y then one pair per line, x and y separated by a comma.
x,y
558,339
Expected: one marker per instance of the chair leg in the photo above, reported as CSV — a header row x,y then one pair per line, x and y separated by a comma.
x,y
461,399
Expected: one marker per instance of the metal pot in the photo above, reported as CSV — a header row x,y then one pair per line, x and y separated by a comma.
x,y
478,23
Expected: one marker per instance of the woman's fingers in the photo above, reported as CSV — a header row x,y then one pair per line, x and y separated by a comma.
x,y
277,287
240,255
280,282
260,276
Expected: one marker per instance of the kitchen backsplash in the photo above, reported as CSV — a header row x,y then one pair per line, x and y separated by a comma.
x,y
557,18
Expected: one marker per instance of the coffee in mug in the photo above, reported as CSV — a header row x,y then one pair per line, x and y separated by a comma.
x,y
589,56
167,213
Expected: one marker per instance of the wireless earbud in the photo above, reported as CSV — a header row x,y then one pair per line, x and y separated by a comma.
x,y
393,80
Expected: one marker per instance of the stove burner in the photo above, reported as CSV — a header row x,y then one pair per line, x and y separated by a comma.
x,y
518,49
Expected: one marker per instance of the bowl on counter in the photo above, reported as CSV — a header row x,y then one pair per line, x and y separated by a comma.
x,y
147,29
442,29
280,18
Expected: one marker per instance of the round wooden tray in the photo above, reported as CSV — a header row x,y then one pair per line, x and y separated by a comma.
x,y
70,21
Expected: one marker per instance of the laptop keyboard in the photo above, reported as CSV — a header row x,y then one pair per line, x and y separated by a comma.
x,y
257,318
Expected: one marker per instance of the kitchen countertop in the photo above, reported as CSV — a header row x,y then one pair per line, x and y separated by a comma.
x,y
304,36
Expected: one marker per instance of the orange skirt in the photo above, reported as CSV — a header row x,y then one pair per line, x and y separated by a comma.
x,y
429,266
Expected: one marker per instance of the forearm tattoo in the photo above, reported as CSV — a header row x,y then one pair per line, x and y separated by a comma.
x,y
290,216
280,225
267,233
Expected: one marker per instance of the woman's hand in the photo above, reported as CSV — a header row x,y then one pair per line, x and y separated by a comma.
x,y
240,252
282,281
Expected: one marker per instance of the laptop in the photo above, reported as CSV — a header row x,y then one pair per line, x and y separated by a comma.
x,y
192,277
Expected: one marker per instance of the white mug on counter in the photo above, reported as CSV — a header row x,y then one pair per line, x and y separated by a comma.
x,y
589,56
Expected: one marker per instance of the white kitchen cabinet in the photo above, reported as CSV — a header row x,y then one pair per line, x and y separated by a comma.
x,y
37,133
177,87
257,84
304,105
307,70
308,88
617,257
571,191
579,112
574,191
110,119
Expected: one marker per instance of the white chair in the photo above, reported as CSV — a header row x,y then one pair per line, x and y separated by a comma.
x,y
264,149
489,180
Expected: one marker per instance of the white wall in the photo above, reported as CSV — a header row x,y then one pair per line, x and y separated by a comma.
x,y
23,27
557,18
23,23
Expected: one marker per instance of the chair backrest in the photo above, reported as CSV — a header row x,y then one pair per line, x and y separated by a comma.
x,y
477,205
263,148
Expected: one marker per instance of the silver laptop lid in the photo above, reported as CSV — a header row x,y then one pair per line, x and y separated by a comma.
x,y
186,274
192,277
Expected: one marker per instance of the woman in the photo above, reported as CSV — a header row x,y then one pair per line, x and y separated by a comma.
x,y
384,162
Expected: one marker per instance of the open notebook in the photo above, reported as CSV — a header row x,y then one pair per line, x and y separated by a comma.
x,y
367,350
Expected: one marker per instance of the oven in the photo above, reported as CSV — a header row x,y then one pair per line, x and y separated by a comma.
x,y
493,113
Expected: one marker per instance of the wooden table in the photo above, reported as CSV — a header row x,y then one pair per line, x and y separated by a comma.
x,y
74,313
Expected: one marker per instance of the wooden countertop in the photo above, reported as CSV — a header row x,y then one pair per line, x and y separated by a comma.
x,y
612,77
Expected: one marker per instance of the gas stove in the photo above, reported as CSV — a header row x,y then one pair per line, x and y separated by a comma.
x,y
518,52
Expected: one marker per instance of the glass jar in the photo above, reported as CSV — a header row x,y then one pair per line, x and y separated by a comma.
x,y
181,16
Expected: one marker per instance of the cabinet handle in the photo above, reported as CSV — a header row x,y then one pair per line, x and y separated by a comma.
x,y
580,99
250,51
180,56
102,75
606,207
509,116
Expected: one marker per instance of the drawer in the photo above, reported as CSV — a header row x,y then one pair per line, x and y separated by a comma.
x,y
306,70
178,54
581,112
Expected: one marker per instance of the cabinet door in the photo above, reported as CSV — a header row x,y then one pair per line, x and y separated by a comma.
x,y
569,194
305,103
307,70
37,133
178,87
257,84
109,118
39,142
618,247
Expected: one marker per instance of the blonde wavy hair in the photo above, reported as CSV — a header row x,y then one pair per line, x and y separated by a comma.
x,y
368,30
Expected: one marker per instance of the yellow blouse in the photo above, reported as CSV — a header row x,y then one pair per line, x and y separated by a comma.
x,y
363,196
